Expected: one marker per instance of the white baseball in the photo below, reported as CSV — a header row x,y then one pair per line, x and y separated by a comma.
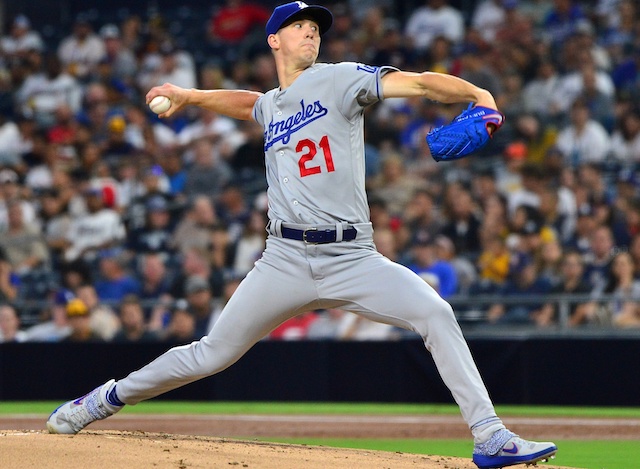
x,y
160,104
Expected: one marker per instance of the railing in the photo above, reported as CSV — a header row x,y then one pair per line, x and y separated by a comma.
x,y
471,312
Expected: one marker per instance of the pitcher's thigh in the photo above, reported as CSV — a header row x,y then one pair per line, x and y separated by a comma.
x,y
391,293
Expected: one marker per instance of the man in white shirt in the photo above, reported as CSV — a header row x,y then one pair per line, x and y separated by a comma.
x,y
436,18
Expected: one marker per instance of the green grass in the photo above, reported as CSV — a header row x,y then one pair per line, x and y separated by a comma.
x,y
614,454
587,454
329,408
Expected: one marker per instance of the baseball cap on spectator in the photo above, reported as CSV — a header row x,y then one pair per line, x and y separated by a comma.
x,y
195,284
8,176
21,21
63,297
627,176
76,307
117,124
423,238
109,31
166,48
157,204
518,262
288,12
516,151
585,210
92,191
154,170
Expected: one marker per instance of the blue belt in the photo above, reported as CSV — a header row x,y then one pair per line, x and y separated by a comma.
x,y
316,236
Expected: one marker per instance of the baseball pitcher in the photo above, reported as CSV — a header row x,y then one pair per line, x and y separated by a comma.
x,y
319,251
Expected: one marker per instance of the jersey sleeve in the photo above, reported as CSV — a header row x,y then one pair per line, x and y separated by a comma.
x,y
358,85
257,110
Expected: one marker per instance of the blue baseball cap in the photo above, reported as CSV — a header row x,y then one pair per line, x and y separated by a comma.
x,y
284,13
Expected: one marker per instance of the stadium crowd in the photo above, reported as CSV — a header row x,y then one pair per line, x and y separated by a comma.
x,y
116,225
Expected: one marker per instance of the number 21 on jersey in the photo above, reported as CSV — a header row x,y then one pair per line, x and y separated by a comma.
x,y
309,149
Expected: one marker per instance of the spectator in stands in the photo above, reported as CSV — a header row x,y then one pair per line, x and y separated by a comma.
x,y
194,229
539,137
232,28
23,243
182,325
134,328
465,270
247,162
169,65
584,140
98,229
549,261
622,310
221,131
251,243
625,141
174,169
394,185
562,21
200,304
82,51
152,185
209,172
355,327
155,279
104,322
120,60
327,325
581,312
11,190
80,323
474,66
386,243
601,105
295,328
539,93
495,218
508,175
599,257
233,210
10,325
21,39
463,226
426,261
9,280
10,142
42,92
150,136
586,78
487,17
114,281
434,18
592,179
526,284
493,265
197,262
53,325
421,215
155,235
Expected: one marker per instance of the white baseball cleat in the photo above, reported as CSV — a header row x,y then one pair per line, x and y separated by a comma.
x,y
505,448
73,416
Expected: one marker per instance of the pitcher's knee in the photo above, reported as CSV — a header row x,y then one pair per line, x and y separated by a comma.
x,y
435,315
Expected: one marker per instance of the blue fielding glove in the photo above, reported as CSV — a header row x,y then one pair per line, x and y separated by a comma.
x,y
468,132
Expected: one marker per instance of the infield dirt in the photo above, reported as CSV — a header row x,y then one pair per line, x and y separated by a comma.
x,y
225,441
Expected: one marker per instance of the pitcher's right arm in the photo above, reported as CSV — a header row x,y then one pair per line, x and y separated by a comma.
x,y
237,104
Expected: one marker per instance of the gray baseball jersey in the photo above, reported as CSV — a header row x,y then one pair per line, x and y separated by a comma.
x,y
314,149
314,143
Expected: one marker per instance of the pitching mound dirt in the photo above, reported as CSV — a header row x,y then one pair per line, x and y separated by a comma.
x,y
99,449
